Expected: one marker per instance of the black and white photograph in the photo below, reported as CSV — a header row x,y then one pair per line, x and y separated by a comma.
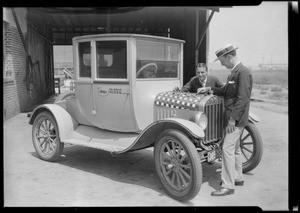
x,y
148,106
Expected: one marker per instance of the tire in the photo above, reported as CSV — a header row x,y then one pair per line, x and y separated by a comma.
x,y
180,174
45,137
64,96
251,147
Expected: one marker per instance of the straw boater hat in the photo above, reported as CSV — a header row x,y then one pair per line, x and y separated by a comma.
x,y
224,50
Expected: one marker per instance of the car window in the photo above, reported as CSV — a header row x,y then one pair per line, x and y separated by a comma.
x,y
111,59
157,60
84,59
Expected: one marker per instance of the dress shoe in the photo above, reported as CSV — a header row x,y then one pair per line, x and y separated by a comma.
x,y
236,183
239,183
222,192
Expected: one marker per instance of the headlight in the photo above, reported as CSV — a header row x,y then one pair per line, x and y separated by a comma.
x,y
201,120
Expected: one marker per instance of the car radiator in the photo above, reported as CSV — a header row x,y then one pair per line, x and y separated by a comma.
x,y
180,105
213,109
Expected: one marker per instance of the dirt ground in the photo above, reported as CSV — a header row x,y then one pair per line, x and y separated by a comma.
x,y
89,177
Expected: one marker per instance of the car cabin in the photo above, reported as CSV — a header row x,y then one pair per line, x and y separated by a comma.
x,y
118,76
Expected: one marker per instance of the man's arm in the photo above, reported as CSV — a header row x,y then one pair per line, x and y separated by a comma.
x,y
218,83
187,87
219,91
244,94
216,86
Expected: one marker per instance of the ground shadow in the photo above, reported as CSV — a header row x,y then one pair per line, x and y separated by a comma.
x,y
132,168
212,174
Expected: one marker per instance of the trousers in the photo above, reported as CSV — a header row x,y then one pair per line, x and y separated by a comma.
x,y
232,159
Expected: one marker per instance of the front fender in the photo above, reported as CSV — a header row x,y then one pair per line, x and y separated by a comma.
x,y
149,135
66,124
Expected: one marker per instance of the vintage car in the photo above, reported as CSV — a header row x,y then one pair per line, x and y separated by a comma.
x,y
124,101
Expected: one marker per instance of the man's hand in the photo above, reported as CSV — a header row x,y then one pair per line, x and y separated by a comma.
x,y
203,90
231,126
176,89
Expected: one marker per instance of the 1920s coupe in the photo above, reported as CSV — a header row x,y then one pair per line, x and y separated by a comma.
x,y
124,101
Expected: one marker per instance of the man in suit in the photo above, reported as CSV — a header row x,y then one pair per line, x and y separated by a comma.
x,y
201,80
236,92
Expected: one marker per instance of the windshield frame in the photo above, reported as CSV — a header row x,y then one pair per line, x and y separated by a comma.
x,y
161,63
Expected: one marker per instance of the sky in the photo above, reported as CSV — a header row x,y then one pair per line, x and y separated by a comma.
x,y
260,32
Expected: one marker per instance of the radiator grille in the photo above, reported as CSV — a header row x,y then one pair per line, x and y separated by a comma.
x,y
214,113
162,113
212,106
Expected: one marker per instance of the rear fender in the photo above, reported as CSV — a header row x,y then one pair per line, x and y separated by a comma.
x,y
149,135
253,118
66,124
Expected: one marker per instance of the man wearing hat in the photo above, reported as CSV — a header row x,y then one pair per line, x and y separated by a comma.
x,y
202,79
236,92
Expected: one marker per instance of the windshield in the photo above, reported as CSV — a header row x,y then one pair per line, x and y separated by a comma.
x,y
157,60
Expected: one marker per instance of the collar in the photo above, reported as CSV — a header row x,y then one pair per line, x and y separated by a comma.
x,y
235,65
203,81
234,70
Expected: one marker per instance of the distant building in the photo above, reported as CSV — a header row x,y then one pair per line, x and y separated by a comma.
x,y
272,67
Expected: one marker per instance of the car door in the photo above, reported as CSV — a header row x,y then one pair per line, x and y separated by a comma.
x,y
83,79
112,95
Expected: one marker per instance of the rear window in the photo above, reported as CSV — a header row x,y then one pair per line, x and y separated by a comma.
x,y
84,59
111,59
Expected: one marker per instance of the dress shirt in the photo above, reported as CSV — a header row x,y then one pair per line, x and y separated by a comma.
x,y
204,82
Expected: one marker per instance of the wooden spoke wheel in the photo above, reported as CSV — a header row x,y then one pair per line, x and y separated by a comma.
x,y
251,147
45,137
178,165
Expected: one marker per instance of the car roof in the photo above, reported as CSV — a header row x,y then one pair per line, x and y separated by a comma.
x,y
151,37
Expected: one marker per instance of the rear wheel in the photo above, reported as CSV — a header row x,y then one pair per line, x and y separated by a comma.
x,y
251,147
178,165
45,137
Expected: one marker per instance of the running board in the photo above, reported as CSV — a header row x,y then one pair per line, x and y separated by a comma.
x,y
101,139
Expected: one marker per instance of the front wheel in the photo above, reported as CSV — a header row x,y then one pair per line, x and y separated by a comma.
x,y
45,137
178,165
251,146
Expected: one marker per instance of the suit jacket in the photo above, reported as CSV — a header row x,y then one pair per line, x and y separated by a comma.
x,y
195,83
237,93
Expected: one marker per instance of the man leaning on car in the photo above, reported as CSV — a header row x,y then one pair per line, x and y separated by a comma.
x,y
202,79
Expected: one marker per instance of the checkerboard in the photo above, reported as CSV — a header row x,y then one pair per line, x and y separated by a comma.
x,y
178,100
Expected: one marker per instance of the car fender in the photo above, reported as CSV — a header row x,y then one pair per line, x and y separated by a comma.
x,y
253,118
66,124
149,135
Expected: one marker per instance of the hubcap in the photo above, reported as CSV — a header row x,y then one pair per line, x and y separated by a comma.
x,y
175,164
46,138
